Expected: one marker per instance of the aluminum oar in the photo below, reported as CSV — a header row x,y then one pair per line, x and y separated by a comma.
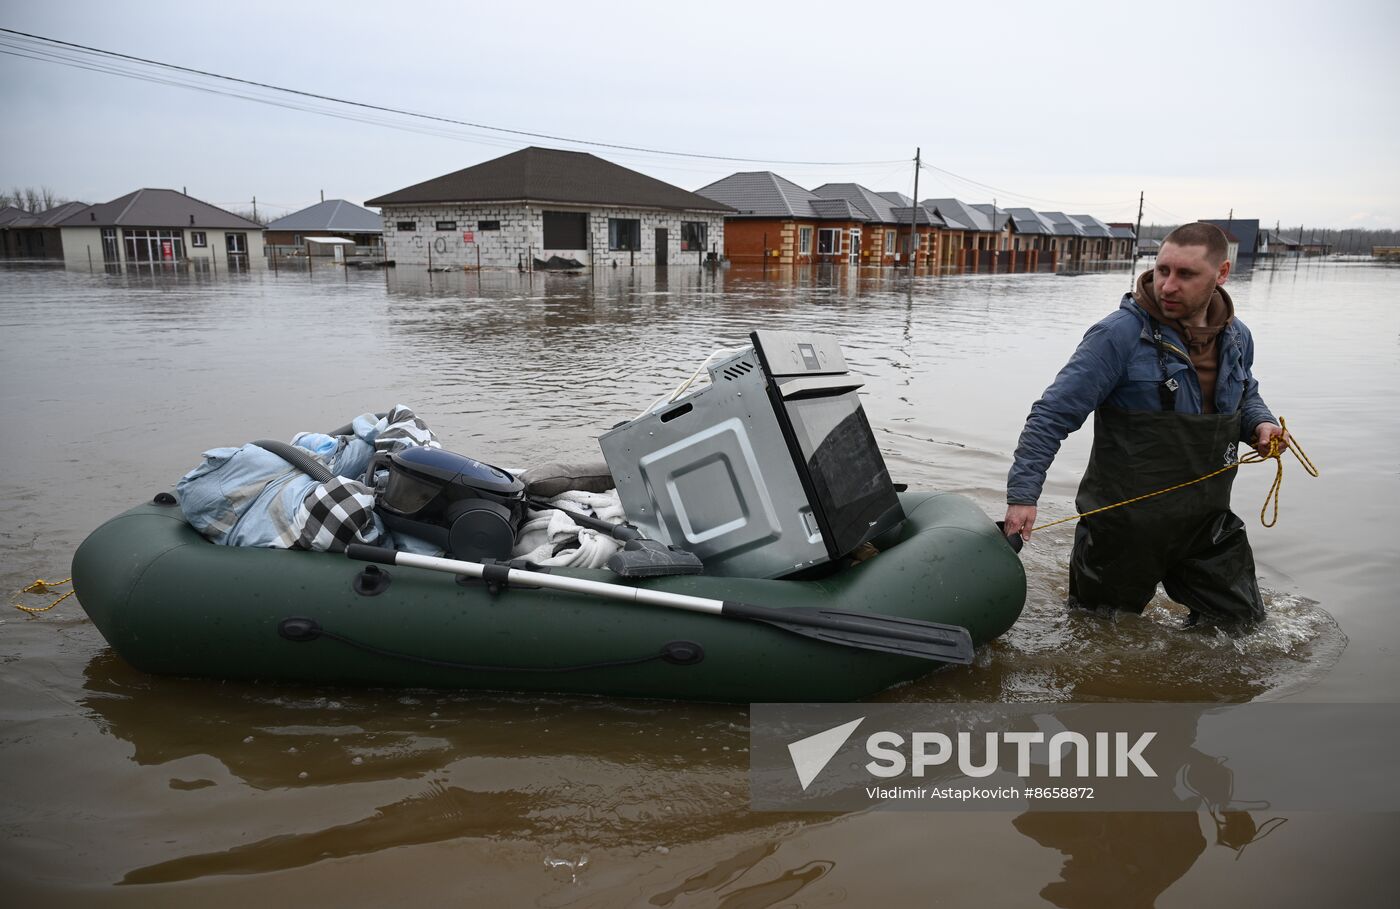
x,y
865,631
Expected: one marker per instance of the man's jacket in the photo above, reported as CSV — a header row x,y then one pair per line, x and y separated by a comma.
x,y
1116,365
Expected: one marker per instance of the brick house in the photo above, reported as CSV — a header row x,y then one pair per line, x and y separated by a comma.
x,y
1123,244
880,236
979,232
541,202
160,226
773,220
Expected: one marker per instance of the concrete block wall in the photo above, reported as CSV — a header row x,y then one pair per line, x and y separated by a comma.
x,y
522,233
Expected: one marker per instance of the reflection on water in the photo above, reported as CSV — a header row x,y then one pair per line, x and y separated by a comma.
x,y
115,383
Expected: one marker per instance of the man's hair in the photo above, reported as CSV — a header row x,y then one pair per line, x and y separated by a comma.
x,y
1199,233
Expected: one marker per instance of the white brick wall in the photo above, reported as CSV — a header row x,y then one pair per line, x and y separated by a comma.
x,y
522,233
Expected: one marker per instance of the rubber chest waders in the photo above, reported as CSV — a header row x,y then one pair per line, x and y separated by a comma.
x,y
1188,540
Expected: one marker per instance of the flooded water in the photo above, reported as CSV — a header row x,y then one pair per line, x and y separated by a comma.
x,y
126,789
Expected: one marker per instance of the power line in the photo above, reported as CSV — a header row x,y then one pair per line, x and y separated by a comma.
x,y
996,189
85,49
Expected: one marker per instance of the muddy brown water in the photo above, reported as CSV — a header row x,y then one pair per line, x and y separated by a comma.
x,y
118,788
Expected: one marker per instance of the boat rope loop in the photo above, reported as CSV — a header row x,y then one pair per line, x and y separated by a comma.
x,y
42,587
677,653
1275,454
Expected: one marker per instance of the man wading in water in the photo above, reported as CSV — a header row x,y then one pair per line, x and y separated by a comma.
x,y
1168,379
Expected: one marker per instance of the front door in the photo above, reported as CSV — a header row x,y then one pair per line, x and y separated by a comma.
x,y
855,247
661,246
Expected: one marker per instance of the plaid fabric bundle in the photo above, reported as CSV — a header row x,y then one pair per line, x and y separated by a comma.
x,y
402,429
335,514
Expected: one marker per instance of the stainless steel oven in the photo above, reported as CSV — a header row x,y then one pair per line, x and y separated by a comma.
x,y
769,469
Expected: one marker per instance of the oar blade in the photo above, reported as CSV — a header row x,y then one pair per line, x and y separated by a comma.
x,y
867,631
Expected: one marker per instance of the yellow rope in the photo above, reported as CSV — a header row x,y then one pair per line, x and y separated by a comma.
x,y
1251,458
42,586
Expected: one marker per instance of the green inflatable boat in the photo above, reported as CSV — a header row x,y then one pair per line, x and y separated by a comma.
x,y
171,602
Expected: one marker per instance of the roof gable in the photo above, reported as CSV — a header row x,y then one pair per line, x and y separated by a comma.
x,y
1062,224
550,175
1029,221
157,208
959,215
874,206
838,210
1091,226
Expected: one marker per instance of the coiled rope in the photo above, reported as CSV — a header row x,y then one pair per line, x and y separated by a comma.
x,y
1275,491
41,587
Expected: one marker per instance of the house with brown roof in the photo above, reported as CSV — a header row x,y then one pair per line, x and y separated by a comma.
x,y
539,203
160,226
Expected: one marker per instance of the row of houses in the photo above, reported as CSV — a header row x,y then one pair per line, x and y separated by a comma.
x,y
779,221
538,206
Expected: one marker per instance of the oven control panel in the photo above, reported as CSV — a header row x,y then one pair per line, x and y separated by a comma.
x,y
798,353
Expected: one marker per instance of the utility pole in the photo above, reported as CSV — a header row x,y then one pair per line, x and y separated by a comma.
x,y
255,208
1132,281
914,215
996,244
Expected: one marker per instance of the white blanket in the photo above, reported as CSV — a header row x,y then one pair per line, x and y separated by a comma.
x,y
550,537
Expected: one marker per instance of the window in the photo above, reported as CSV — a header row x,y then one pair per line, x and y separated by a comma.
x,y
488,225
236,244
199,239
694,235
446,225
804,241
296,239
406,225
565,230
889,243
110,250
829,241
154,245
624,234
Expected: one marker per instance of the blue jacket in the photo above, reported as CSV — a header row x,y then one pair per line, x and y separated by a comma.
x,y
1116,364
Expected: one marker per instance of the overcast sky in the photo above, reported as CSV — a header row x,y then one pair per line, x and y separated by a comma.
x,y
1283,111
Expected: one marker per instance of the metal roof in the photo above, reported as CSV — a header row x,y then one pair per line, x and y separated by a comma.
x,y
550,175
1092,226
870,203
19,218
837,210
1122,233
959,215
1062,224
924,216
1029,221
157,208
762,194
896,199
996,215
332,214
